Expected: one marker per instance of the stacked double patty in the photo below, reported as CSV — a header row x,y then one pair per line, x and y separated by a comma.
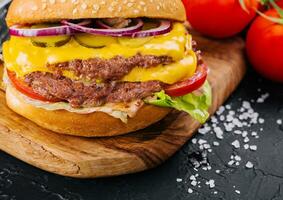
x,y
110,90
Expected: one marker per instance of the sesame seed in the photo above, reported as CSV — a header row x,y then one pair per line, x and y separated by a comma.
x,y
84,6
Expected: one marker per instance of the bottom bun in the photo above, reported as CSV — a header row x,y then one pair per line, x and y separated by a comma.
x,y
96,124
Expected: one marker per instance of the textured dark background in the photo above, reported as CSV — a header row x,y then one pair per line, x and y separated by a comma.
x,y
19,181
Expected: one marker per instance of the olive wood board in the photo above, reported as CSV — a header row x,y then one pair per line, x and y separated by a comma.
x,y
101,157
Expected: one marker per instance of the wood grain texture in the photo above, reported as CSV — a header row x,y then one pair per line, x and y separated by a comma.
x,y
145,149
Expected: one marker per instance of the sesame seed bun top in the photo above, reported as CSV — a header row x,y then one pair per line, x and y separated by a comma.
x,y
38,11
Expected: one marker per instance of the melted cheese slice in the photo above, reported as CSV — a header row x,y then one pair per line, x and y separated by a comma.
x,y
22,57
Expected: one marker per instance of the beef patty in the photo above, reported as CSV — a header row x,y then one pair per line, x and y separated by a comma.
x,y
79,94
109,69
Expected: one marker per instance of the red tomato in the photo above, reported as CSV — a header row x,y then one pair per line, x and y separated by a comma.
x,y
265,47
280,3
220,18
25,89
190,85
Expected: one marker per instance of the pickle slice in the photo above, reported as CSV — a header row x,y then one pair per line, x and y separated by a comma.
x,y
137,42
50,41
94,41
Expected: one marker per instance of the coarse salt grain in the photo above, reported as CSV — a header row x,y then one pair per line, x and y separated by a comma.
x,y
179,180
238,158
216,143
236,144
194,183
249,165
262,98
211,183
190,191
218,132
253,147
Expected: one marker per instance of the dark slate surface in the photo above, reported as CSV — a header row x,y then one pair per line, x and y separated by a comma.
x,y
19,181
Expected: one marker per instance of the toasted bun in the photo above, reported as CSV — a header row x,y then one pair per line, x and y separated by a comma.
x,y
97,124
37,11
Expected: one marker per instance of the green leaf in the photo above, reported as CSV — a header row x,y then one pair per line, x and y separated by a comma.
x,y
195,105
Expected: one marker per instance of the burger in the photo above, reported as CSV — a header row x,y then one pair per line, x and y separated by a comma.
x,y
102,67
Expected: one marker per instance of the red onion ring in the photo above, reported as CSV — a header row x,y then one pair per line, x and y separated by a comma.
x,y
33,32
17,30
106,31
164,27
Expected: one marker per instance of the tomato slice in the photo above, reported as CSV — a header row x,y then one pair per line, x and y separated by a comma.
x,y
25,89
187,86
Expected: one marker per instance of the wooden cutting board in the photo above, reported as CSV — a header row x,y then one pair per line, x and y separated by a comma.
x,y
142,150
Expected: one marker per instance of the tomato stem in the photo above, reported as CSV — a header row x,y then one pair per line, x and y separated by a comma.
x,y
277,8
243,5
273,19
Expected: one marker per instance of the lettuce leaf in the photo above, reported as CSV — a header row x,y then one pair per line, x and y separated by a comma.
x,y
196,104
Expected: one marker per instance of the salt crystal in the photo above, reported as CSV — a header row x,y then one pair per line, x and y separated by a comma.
x,y
231,162
238,192
192,178
179,180
246,140
236,144
216,143
253,147
211,183
262,98
218,132
206,146
244,134
254,133
201,141
246,146
249,165
217,171
190,191
238,158
261,121
279,121
229,118
246,105
238,132
214,119
228,107
220,110
193,183
194,141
